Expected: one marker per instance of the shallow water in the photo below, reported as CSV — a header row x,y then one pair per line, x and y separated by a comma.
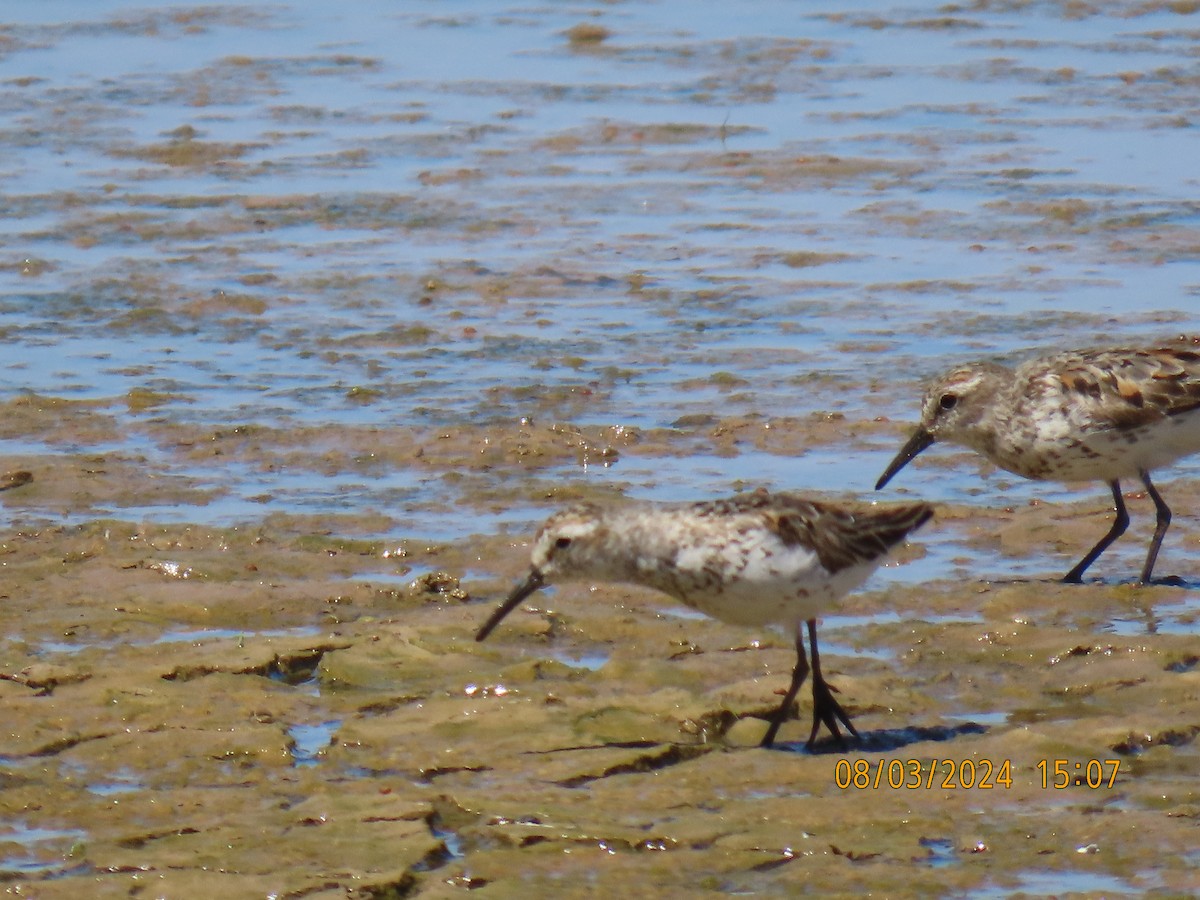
x,y
374,288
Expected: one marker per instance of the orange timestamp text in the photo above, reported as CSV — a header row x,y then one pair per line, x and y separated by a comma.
x,y
969,774
923,774
1058,774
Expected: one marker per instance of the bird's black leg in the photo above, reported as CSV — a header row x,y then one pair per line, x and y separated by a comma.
x,y
1120,523
825,708
798,675
1164,519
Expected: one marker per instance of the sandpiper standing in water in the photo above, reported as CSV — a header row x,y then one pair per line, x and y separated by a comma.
x,y
752,559
1084,415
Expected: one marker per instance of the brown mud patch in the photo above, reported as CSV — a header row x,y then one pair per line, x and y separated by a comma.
x,y
156,684
492,467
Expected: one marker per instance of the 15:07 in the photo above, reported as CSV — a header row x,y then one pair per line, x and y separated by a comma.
x,y
1093,773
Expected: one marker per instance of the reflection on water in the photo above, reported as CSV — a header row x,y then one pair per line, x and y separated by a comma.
x,y
195,637
40,850
1056,882
688,200
308,741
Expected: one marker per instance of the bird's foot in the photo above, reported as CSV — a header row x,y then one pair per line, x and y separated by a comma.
x,y
827,710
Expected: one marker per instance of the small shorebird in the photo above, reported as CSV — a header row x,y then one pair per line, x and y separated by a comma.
x,y
1083,415
753,559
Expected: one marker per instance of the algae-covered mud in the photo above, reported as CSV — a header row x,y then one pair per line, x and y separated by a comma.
x,y
312,312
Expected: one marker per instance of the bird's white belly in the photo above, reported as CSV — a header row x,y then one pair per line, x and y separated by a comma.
x,y
774,591
1109,454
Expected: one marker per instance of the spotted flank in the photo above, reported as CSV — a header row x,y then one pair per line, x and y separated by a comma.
x,y
842,536
1085,415
753,559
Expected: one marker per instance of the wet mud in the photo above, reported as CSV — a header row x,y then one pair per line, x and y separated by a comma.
x,y
310,318
287,709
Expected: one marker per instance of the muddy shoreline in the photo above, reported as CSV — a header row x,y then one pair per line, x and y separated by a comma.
x,y
287,709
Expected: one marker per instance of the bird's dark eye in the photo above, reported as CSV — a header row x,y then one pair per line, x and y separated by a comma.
x,y
562,543
948,401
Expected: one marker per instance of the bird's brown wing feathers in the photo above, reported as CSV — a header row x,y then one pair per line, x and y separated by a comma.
x,y
844,536
1132,387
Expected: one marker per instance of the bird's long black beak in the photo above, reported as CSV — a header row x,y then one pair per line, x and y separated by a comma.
x,y
519,593
918,442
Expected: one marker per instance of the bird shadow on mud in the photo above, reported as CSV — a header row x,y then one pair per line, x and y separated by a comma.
x,y
1190,584
883,741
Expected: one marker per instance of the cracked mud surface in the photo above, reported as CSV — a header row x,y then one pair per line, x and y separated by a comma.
x,y
263,711
312,312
